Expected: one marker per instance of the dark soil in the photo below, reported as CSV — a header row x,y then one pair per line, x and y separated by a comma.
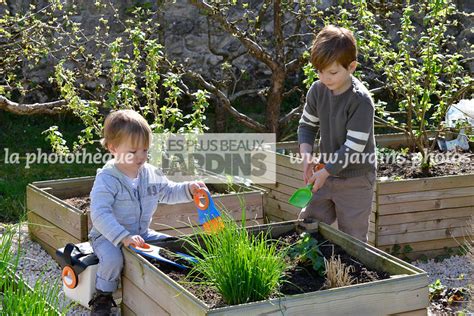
x,y
300,278
83,203
445,164
173,257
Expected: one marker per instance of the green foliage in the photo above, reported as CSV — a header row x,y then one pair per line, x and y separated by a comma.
x,y
306,249
14,177
423,73
435,289
242,267
97,72
18,298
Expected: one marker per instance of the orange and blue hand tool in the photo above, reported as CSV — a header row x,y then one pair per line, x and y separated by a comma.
x,y
208,215
154,252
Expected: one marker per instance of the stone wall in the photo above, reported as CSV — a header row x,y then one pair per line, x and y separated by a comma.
x,y
185,35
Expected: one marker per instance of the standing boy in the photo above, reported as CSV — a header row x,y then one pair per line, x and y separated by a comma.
x,y
124,197
342,106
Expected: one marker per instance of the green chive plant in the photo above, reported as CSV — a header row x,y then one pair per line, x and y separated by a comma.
x,y
16,296
242,267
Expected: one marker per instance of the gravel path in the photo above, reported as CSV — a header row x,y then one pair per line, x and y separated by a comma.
x,y
456,271
35,263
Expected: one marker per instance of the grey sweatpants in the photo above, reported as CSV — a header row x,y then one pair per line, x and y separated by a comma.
x,y
111,260
347,199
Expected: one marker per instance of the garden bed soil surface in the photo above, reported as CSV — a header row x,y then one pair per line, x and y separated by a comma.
x,y
446,166
301,278
83,203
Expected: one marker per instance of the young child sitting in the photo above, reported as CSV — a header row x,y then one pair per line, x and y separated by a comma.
x,y
342,106
124,197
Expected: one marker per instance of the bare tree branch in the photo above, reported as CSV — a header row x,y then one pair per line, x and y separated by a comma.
x,y
35,108
294,36
244,119
225,55
254,49
380,120
295,64
237,95
293,113
6,87
292,90
261,13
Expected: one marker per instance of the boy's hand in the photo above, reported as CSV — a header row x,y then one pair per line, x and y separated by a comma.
x,y
307,171
135,239
194,186
318,179
306,152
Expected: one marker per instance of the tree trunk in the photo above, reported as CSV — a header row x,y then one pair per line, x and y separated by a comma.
x,y
275,98
220,113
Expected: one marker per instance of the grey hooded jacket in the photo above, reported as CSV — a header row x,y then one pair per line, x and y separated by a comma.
x,y
118,210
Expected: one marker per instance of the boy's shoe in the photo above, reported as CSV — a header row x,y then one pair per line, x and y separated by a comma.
x,y
101,304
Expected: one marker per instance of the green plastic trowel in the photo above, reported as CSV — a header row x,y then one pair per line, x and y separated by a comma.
x,y
302,196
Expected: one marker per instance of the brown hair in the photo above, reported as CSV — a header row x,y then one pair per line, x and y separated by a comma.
x,y
126,124
332,44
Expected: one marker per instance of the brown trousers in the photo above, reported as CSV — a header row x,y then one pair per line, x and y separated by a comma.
x,y
349,200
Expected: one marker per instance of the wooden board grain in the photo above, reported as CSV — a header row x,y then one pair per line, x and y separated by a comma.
x,y
138,301
425,195
428,245
185,230
67,188
421,236
425,216
180,216
57,212
47,234
171,296
390,297
426,184
424,226
417,206
126,311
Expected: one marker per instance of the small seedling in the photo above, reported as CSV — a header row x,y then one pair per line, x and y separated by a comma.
x,y
306,249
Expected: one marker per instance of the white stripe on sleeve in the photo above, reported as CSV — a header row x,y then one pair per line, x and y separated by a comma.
x,y
358,135
349,143
310,117
305,122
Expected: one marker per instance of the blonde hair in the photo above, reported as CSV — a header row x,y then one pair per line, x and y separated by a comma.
x,y
125,125
332,44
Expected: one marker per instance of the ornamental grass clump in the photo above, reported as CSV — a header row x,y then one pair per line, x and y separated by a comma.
x,y
242,267
337,273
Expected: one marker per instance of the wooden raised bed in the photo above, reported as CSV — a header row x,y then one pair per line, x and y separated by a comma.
x,y
148,291
428,214
52,222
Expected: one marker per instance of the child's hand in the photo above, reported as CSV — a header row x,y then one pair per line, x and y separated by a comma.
x,y
318,179
137,240
194,186
307,171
